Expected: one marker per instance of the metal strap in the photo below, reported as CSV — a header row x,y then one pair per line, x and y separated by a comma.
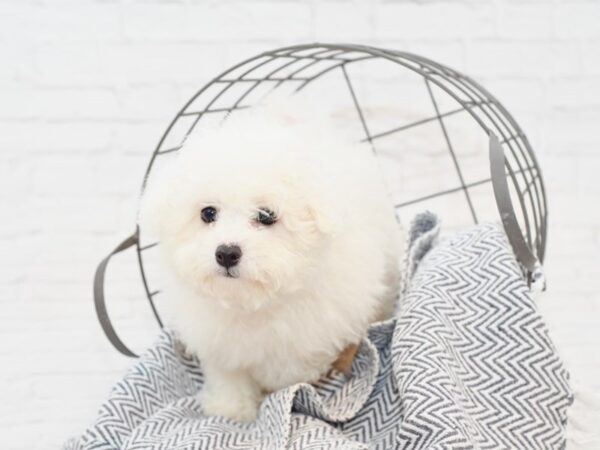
x,y
507,212
100,303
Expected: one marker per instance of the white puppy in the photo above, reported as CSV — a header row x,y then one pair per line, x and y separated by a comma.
x,y
284,247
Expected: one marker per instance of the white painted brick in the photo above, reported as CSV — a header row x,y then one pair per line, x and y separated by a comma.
x,y
157,102
141,138
79,104
94,21
21,66
572,133
36,22
525,20
79,176
577,19
64,103
350,21
397,20
117,64
15,181
14,17
157,22
17,102
237,52
20,140
240,20
591,56
87,88
523,58
66,213
559,172
211,21
75,64
569,93
588,173
11,264
517,94
450,52
66,136
573,210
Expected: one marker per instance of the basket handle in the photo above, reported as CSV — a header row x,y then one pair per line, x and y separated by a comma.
x,y
100,303
507,213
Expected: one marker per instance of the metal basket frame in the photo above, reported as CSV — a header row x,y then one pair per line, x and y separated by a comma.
x,y
512,160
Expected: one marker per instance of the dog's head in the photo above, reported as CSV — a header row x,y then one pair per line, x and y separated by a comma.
x,y
239,213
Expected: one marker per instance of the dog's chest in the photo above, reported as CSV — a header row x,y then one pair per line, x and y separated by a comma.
x,y
278,349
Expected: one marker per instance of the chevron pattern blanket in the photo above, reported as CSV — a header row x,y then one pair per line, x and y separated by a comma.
x,y
466,364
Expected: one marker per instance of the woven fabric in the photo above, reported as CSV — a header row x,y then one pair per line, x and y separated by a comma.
x,y
466,364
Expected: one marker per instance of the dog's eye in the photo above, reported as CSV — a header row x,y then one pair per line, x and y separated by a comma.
x,y
266,216
208,214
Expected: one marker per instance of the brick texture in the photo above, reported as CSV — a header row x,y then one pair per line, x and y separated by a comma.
x,y
87,87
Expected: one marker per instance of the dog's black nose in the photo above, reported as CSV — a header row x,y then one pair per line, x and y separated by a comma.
x,y
228,255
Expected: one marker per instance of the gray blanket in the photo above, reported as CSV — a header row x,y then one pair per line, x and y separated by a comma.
x,y
466,364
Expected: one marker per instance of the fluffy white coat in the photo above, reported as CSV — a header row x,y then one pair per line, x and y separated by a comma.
x,y
307,286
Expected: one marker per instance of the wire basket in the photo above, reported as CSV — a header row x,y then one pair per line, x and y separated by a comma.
x,y
483,167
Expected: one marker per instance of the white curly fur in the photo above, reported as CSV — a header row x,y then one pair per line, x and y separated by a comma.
x,y
307,286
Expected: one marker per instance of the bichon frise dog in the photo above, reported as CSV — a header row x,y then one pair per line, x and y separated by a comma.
x,y
284,247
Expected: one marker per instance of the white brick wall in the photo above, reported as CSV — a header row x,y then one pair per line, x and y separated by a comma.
x,y
87,87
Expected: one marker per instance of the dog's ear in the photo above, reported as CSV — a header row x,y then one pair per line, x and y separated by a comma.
x,y
154,200
320,219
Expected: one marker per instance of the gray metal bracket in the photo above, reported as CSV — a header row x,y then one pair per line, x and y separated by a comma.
x,y
523,253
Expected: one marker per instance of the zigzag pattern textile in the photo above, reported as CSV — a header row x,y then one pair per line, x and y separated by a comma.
x,y
467,363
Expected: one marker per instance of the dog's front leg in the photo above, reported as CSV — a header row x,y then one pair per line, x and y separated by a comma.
x,y
232,394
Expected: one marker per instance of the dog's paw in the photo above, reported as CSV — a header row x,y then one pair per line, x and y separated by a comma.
x,y
242,406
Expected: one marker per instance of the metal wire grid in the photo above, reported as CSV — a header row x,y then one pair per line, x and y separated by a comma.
x,y
304,64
